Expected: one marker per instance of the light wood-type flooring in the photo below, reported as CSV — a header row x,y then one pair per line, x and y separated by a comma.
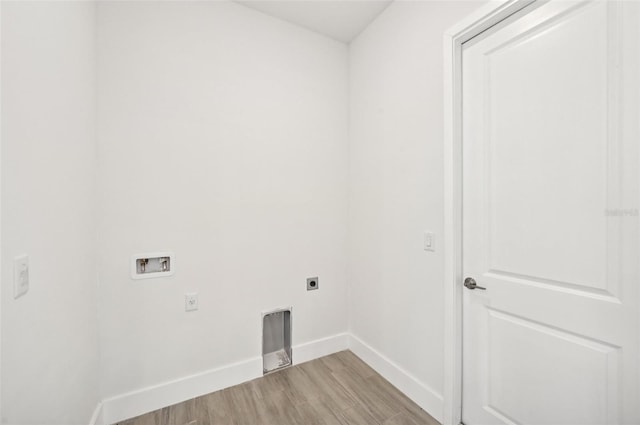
x,y
339,389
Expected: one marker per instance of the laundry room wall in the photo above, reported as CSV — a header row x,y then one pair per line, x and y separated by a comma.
x,y
49,335
396,298
222,138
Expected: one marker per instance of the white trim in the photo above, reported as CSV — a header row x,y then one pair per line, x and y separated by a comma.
x,y
423,395
155,397
471,26
135,403
1,144
320,348
96,418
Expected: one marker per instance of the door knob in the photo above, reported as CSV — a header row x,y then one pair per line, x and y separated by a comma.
x,y
470,283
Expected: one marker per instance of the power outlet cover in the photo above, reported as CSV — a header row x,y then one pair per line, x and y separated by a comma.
x,y
191,301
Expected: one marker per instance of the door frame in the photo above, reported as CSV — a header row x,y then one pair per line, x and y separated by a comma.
x,y
481,20
1,145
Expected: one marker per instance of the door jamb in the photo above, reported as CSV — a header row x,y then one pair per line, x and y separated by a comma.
x,y
1,144
484,18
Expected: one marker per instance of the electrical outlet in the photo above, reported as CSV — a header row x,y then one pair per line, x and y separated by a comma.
x,y
191,301
312,283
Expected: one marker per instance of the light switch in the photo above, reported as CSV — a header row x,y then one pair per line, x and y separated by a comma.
x,y
20,276
429,241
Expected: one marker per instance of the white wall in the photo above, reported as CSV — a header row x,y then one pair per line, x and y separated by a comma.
x,y
396,187
49,336
222,137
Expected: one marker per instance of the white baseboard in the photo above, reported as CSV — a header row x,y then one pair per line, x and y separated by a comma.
x,y
96,418
320,347
420,393
148,399
152,398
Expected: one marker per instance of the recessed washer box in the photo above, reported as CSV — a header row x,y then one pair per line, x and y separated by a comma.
x,y
153,264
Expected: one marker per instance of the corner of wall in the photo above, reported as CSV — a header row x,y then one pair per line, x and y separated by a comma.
x,y
97,418
421,394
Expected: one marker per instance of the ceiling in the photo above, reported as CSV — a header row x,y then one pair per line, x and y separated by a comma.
x,y
342,20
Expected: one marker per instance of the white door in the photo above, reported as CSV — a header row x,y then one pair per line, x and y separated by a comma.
x,y
551,135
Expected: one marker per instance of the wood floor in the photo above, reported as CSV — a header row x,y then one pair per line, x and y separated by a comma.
x,y
339,389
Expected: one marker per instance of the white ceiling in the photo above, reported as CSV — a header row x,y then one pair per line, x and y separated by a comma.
x,y
342,20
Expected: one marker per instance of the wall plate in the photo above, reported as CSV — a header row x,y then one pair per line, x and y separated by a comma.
x,y
191,301
313,283
20,276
